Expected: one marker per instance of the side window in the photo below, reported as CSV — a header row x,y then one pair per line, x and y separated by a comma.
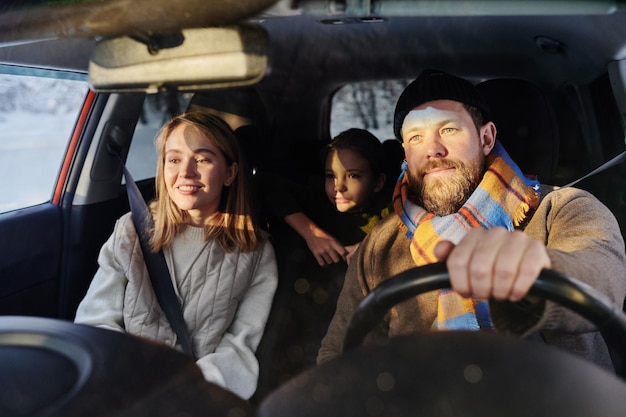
x,y
367,105
157,110
38,112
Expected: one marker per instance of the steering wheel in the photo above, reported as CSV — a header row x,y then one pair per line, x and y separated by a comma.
x,y
52,367
460,373
551,285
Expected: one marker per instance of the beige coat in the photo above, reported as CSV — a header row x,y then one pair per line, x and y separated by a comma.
x,y
583,240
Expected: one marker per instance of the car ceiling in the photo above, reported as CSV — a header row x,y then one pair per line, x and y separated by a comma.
x,y
27,20
574,48
548,49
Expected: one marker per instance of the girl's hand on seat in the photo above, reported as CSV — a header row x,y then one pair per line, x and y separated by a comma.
x,y
326,249
351,249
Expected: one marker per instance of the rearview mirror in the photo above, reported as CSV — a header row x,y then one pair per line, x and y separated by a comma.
x,y
213,57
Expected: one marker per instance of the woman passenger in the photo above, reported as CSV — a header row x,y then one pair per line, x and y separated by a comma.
x,y
222,266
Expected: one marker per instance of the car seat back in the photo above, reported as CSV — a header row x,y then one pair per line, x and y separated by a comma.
x,y
526,124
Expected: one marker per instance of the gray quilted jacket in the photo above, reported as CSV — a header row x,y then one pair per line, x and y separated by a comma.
x,y
225,296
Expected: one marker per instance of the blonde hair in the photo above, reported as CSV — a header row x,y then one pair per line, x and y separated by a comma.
x,y
232,224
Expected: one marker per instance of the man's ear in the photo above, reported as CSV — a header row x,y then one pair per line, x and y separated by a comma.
x,y
488,137
380,183
232,174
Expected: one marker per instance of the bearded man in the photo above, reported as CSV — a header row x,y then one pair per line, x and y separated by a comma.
x,y
463,200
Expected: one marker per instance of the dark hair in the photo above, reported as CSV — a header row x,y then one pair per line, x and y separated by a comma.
x,y
478,116
362,142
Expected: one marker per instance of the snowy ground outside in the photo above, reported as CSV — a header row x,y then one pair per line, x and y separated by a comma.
x,y
31,148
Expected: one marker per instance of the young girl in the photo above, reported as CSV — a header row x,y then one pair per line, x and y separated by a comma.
x,y
332,217
355,178
222,267
354,170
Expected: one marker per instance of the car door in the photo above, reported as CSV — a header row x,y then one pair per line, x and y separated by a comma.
x,y
62,188
41,110
95,191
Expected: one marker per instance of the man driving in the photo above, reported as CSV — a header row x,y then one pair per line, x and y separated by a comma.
x,y
462,200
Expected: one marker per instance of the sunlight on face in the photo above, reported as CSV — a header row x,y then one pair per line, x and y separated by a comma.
x,y
350,182
445,155
195,173
446,196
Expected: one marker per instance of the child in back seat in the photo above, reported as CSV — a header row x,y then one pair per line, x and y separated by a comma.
x,y
222,266
316,225
355,198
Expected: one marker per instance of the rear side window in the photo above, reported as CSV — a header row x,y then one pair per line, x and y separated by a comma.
x,y
367,105
38,112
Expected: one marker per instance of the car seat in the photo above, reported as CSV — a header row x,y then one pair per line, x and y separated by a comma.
x,y
526,124
394,155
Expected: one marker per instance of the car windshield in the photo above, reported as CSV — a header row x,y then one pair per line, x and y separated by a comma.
x,y
349,178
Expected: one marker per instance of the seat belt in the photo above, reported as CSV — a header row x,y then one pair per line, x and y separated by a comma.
x,y
155,262
614,161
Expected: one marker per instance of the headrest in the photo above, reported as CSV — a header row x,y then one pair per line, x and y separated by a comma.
x,y
526,124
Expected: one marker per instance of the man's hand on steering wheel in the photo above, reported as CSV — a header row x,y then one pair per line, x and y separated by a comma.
x,y
494,263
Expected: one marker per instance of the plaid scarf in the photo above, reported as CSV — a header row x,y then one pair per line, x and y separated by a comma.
x,y
503,198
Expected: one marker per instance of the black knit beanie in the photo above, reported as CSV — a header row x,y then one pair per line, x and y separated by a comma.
x,y
436,85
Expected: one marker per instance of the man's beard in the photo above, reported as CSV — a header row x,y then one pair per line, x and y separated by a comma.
x,y
442,197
